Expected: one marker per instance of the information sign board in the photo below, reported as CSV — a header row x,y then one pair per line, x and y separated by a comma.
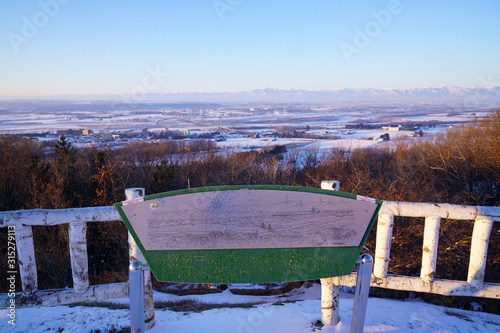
x,y
249,234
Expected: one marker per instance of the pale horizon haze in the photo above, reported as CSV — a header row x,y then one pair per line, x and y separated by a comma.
x,y
51,47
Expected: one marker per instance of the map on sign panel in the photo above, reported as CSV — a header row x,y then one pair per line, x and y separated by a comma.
x,y
249,219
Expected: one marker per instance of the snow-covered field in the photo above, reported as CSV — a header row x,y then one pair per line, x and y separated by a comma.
x,y
361,139
297,311
332,126
38,117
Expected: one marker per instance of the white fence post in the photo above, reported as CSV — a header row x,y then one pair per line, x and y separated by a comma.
x,y
330,286
430,248
478,252
136,255
383,246
26,258
330,300
77,235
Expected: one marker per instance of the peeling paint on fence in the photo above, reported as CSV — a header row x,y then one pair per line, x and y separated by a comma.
x,y
429,248
79,256
479,250
383,246
26,258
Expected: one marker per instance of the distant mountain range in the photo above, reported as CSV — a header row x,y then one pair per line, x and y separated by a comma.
x,y
473,96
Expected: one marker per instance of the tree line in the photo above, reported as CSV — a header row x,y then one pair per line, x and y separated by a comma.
x,y
460,166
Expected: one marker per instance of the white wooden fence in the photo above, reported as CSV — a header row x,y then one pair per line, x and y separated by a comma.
x,y
483,218
77,219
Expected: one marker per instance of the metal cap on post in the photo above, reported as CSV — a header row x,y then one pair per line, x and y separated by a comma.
x,y
332,185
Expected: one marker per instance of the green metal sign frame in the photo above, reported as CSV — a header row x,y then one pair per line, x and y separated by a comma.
x,y
250,265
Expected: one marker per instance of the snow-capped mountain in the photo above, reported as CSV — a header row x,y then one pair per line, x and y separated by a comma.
x,y
480,95
473,95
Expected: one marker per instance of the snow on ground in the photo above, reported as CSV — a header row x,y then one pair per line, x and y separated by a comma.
x,y
297,311
247,143
444,116
357,139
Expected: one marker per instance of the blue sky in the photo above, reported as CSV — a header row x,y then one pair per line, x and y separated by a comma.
x,y
80,47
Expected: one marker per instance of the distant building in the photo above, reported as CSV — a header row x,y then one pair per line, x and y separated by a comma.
x,y
64,132
391,129
87,132
107,136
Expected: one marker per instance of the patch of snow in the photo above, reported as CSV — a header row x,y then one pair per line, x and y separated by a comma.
x,y
295,312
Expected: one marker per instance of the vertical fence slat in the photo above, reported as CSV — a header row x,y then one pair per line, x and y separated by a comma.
x,y
79,256
383,246
430,248
26,258
136,255
479,251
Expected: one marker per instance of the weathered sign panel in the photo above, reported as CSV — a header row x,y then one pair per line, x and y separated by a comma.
x,y
254,234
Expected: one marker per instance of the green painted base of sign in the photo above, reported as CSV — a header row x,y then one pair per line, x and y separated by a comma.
x,y
252,266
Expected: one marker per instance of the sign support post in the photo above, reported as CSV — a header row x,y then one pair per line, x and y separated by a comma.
x,y
136,295
365,265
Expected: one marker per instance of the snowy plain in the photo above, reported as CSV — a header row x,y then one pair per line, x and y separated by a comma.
x,y
294,312
297,311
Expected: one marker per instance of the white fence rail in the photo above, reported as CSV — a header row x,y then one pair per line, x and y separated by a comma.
x,y
77,219
483,218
